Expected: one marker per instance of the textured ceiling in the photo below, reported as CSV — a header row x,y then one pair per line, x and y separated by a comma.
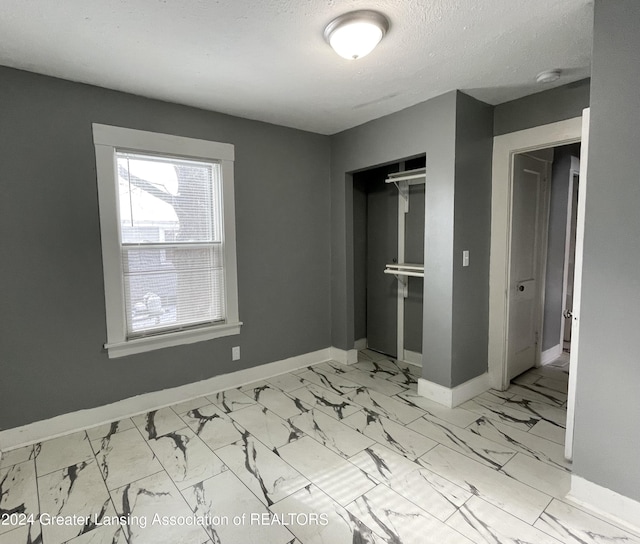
x,y
267,60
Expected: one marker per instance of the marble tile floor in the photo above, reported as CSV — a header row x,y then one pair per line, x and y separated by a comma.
x,y
325,454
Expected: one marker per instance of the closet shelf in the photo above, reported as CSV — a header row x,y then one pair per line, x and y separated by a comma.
x,y
405,269
419,175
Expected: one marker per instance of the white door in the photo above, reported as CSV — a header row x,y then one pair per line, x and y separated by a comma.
x,y
528,230
577,286
570,253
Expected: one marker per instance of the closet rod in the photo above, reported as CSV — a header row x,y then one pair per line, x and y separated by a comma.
x,y
404,273
407,266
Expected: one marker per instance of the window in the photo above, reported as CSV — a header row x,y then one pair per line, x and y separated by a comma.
x,y
168,239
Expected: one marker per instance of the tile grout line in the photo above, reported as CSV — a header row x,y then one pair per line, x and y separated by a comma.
x,y
163,468
110,495
35,469
539,519
333,393
466,453
527,453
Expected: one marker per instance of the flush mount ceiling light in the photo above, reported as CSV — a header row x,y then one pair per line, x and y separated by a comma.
x,y
548,76
355,34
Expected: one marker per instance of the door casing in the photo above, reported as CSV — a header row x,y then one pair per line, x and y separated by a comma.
x,y
505,147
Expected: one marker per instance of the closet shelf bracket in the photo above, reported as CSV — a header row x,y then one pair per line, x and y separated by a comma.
x,y
402,181
403,190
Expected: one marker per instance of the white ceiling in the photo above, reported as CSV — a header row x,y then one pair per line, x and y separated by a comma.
x,y
267,60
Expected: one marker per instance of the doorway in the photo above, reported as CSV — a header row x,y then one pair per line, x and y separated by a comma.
x,y
505,148
389,232
546,184
561,247
543,241
543,236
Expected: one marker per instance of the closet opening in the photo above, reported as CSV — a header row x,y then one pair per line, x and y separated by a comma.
x,y
388,231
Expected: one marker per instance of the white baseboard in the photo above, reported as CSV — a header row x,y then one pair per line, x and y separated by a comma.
x,y
605,503
550,355
346,357
92,417
360,344
457,395
413,357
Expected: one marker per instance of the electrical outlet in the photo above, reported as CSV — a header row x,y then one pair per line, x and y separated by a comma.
x,y
235,353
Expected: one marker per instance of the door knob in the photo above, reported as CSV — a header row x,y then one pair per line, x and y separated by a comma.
x,y
567,314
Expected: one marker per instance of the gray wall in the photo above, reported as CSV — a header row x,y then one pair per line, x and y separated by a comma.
x,y
472,231
554,277
607,426
52,297
542,108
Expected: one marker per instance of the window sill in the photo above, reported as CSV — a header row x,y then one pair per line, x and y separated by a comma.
x,y
150,343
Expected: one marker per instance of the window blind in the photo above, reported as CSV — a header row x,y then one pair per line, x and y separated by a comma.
x,y
171,241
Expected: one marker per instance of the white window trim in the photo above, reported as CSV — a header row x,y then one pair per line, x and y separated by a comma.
x,y
106,140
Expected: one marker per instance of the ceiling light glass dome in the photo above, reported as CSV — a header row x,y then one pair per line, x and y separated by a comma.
x,y
355,34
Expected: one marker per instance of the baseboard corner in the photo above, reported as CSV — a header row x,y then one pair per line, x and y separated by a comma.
x,y
452,397
413,357
550,355
346,357
605,503
435,392
360,344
